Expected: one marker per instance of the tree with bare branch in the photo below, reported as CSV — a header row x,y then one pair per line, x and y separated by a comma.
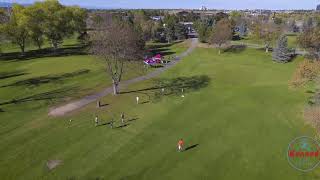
x,y
267,32
222,33
116,42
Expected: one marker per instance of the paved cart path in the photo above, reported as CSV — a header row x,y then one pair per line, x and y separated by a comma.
x,y
67,108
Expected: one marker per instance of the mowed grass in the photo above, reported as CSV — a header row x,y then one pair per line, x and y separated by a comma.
x,y
241,123
36,84
8,47
292,40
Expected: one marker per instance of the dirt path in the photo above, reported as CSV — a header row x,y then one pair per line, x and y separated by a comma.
x,y
67,108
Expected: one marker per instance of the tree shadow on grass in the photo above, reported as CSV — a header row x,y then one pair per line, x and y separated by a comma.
x,y
163,45
46,79
310,92
163,52
46,96
47,52
163,49
235,48
174,86
6,75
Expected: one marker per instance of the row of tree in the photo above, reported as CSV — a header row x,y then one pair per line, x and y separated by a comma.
x,y
223,31
167,29
47,20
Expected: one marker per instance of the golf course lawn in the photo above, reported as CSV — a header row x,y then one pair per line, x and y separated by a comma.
x,y
292,41
237,115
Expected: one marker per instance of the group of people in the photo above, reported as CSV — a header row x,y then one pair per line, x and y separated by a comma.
x,y
111,123
180,145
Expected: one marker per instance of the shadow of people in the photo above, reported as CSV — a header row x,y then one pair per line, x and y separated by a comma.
x,y
191,147
104,124
144,102
103,105
133,119
122,126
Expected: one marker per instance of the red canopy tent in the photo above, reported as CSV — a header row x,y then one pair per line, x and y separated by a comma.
x,y
158,56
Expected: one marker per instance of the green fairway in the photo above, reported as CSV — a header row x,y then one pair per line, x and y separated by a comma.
x,y
238,116
292,41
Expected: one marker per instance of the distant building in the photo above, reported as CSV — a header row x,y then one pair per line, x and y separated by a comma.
x,y
188,26
299,24
203,8
157,18
191,32
183,13
318,8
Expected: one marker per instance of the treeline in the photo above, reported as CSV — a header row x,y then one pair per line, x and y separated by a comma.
x,y
47,20
166,29
241,26
310,40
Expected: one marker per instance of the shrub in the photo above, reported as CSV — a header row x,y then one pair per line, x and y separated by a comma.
x,y
306,71
312,116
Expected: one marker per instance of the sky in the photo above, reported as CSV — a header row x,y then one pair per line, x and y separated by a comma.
x,y
189,4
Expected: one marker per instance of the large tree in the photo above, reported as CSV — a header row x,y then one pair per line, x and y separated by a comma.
x,y
4,18
116,43
267,32
180,31
282,53
16,28
242,27
79,18
143,23
292,26
78,21
57,22
204,28
310,40
35,19
47,19
222,33
170,22
307,24
157,31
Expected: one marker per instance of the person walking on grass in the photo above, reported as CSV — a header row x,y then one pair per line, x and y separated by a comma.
x,y
180,145
111,124
122,118
137,99
96,120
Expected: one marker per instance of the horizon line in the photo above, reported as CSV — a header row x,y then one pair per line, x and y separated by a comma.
x,y
126,8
